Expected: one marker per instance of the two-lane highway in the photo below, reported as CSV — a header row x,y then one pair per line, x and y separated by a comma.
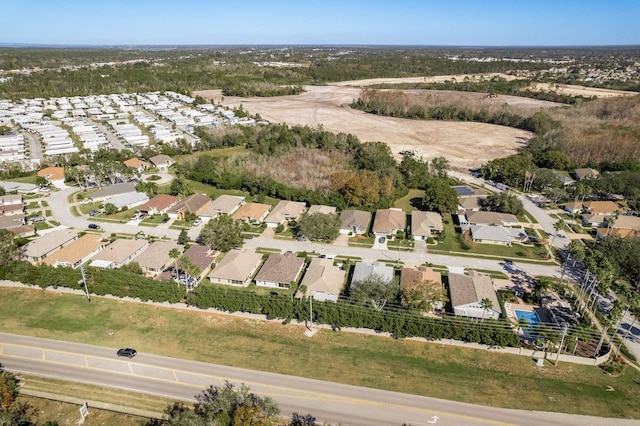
x,y
182,379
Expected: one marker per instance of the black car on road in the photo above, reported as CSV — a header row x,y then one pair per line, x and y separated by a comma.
x,y
128,352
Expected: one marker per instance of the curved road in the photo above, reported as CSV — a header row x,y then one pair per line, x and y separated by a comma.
x,y
335,403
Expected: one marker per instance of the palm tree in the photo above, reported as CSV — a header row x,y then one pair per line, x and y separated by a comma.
x,y
485,304
523,323
175,254
557,227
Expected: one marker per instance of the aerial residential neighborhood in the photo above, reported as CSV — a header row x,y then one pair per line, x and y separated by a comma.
x,y
301,215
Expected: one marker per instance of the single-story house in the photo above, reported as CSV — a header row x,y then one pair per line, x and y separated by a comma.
x,y
388,222
199,255
317,208
137,164
465,191
467,292
129,200
77,252
471,204
573,208
280,270
323,280
162,162
12,221
111,191
55,176
195,204
11,209
47,244
24,230
159,204
155,258
423,224
602,207
118,253
411,275
285,211
487,218
496,234
354,221
362,271
11,200
622,233
585,173
236,268
224,204
253,213
594,219
19,187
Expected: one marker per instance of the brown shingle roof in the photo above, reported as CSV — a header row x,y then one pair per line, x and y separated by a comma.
x,y
76,250
252,212
52,173
193,204
159,203
389,220
410,275
465,289
280,268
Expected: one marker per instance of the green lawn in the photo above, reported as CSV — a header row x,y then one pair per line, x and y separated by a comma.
x,y
407,202
361,240
436,370
453,243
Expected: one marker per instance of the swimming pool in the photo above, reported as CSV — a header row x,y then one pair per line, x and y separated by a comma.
x,y
532,319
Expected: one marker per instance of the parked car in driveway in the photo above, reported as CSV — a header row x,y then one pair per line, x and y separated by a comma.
x,y
127,352
93,213
197,222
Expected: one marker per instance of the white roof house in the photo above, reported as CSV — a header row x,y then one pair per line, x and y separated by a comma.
x,y
118,253
362,271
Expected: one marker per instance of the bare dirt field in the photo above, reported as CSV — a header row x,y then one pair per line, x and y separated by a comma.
x,y
567,89
465,144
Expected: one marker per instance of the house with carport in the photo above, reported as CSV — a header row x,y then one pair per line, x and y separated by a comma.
x,y
323,280
236,268
467,292
118,253
280,270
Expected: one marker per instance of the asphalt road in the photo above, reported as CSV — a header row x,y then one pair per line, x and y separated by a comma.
x,y
331,402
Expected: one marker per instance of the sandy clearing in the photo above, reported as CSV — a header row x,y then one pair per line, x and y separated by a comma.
x,y
568,89
465,144
425,79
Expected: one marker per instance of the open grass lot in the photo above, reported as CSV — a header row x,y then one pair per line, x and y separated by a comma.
x,y
436,370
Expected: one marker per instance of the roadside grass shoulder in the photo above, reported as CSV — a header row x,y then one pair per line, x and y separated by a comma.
x,y
430,369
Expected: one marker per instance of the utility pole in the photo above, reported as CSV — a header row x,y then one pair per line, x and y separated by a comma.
x,y
83,281
310,312
564,333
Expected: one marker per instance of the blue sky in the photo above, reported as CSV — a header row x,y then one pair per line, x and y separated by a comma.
x,y
427,22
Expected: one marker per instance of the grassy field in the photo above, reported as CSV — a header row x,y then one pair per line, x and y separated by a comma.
x,y
436,370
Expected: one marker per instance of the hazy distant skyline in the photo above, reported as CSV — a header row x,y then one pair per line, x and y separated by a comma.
x,y
374,22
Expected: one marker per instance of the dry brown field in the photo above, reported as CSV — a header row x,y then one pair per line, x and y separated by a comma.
x,y
465,144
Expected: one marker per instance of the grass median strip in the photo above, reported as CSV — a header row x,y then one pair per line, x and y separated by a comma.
x,y
437,370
